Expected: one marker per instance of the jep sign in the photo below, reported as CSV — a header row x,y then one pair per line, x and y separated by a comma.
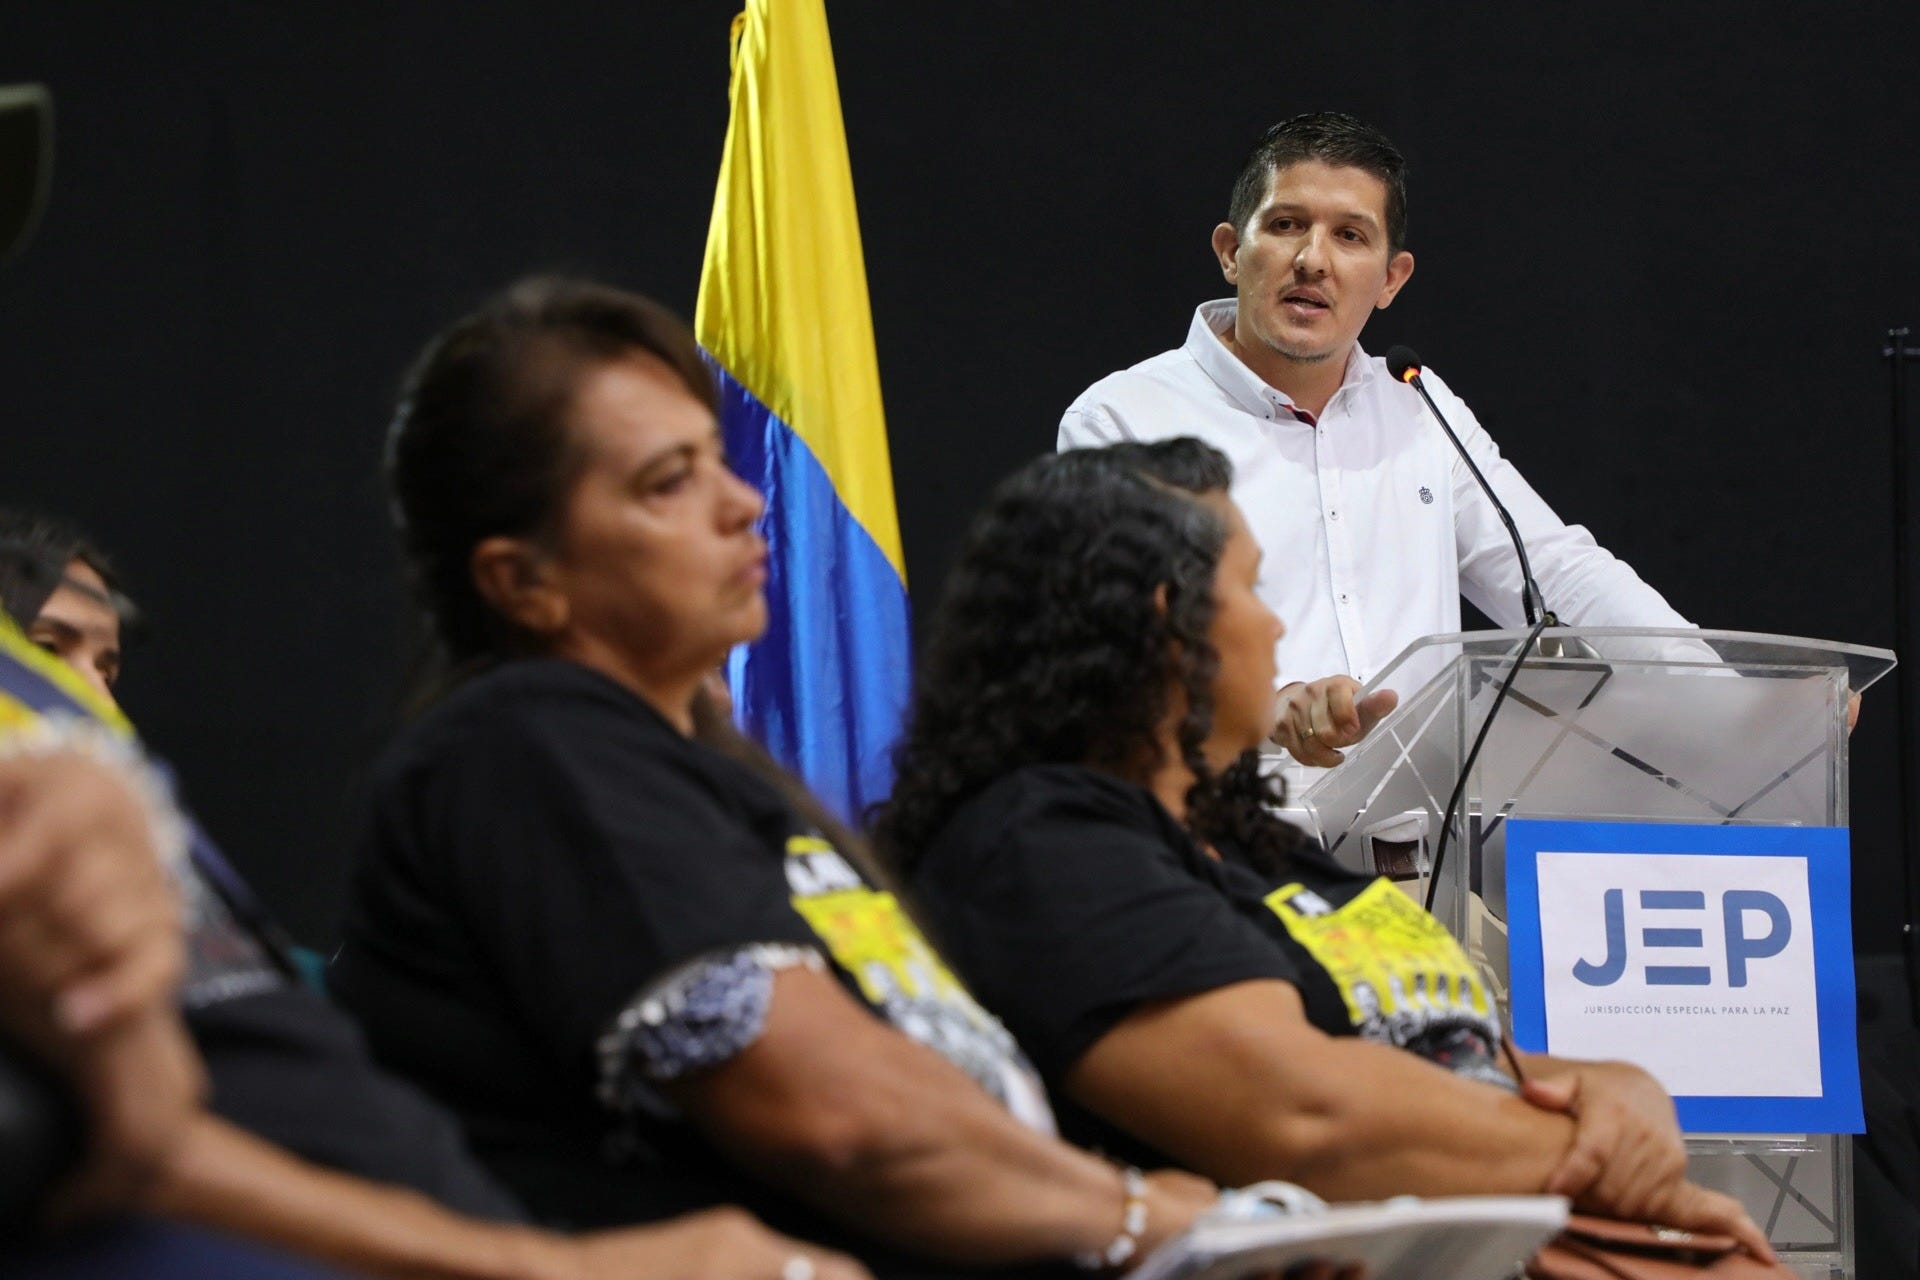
x,y
1718,958
1741,949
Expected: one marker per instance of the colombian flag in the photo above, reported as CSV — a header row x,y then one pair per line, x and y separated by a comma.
x,y
783,316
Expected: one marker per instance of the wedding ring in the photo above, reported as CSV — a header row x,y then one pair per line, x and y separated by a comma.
x,y
798,1267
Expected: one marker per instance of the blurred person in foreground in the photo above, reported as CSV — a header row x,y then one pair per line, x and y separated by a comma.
x,y
303,1143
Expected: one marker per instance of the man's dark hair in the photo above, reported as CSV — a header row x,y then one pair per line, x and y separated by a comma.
x,y
481,446
35,550
1333,138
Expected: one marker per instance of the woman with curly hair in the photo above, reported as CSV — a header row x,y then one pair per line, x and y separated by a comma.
x,y
1082,820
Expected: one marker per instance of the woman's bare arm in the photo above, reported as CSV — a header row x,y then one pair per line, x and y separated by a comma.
x,y
228,1180
882,1133
1236,1083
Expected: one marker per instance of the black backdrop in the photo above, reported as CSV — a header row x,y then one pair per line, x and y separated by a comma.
x,y
1658,246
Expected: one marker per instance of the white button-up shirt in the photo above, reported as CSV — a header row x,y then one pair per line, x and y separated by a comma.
x,y
1372,526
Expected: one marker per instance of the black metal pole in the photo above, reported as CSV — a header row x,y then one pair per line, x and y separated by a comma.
x,y
1897,353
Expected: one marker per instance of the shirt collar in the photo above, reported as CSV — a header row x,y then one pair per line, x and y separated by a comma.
x,y
1244,387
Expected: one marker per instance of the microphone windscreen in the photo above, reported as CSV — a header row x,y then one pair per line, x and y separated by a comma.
x,y
1402,363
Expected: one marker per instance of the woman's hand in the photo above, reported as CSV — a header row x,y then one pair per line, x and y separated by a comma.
x,y
1626,1134
1694,1208
90,955
1628,1159
89,922
1175,1199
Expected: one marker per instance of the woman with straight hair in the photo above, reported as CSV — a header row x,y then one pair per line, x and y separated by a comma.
x,y
1081,817
646,979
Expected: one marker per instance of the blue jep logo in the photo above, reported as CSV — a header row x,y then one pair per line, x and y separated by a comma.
x,y
1737,906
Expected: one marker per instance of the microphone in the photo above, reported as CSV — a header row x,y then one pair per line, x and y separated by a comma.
x,y
1404,365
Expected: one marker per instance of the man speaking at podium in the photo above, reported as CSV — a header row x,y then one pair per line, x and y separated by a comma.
x,y
1372,525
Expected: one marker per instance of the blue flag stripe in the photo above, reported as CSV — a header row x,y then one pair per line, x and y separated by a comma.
x,y
826,687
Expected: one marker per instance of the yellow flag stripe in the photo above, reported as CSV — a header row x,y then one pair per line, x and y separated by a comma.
x,y
783,289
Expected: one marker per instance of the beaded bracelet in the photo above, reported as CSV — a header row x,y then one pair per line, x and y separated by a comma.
x,y
1133,1225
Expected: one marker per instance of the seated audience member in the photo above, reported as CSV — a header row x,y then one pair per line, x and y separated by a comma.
x,y
65,593
1079,797
644,978
306,1144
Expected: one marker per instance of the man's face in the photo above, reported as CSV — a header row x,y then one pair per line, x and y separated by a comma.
x,y
79,625
1312,263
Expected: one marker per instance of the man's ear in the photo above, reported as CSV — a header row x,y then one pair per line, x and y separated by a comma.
x,y
1399,268
1226,247
516,580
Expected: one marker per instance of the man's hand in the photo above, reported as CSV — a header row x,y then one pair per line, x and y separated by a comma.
x,y
719,1244
1317,719
1853,711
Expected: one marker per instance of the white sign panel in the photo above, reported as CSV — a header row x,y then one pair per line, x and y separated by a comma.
x,y
1714,993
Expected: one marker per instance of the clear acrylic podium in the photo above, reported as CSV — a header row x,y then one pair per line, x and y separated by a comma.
x,y
1614,724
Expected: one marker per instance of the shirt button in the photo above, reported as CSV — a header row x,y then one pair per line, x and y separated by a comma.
x,y
1343,597
1333,515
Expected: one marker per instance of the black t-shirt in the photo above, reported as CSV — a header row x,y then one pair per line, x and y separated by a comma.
x,y
287,1066
1068,899
41,1135
543,848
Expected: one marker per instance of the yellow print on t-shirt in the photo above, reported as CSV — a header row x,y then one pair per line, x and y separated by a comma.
x,y
868,934
864,929
1397,969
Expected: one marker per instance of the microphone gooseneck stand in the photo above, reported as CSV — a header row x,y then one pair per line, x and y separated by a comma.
x,y
1404,365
